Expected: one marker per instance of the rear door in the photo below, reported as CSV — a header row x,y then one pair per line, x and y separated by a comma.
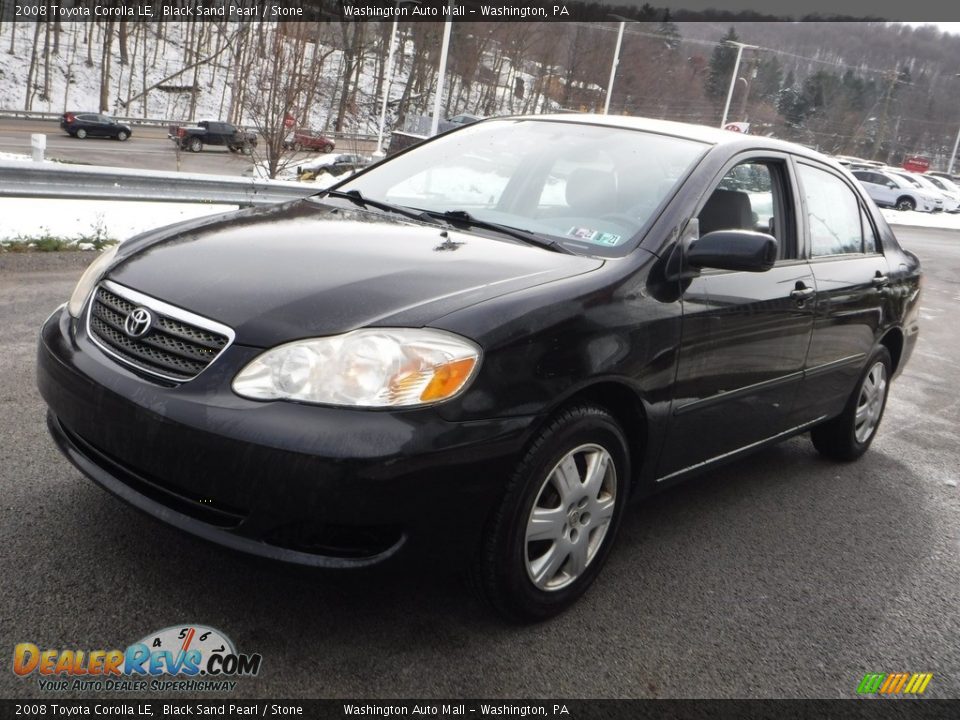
x,y
850,271
745,335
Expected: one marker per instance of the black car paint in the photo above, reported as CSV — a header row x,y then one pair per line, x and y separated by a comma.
x,y
94,125
620,330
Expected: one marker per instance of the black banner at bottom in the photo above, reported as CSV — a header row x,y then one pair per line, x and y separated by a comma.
x,y
485,709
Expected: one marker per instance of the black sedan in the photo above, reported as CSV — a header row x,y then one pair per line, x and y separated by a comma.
x,y
84,125
484,346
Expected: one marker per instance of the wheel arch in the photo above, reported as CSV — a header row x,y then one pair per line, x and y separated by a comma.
x,y
893,341
623,403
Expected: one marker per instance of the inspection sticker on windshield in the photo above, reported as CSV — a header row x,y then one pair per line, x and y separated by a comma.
x,y
594,236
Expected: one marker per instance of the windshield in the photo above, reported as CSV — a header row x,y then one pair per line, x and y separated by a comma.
x,y
591,188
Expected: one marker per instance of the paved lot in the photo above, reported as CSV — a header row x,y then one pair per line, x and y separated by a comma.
x,y
148,147
780,576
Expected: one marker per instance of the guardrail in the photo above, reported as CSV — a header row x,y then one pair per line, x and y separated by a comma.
x,y
164,123
26,179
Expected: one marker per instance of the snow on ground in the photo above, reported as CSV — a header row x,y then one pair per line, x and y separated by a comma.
x,y
78,219
947,221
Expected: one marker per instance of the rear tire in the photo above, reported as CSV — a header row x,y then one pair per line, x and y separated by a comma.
x,y
81,133
554,528
848,436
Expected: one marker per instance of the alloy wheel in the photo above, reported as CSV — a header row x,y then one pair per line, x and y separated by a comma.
x,y
870,403
570,517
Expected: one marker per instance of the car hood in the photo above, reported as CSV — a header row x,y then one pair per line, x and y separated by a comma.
x,y
306,269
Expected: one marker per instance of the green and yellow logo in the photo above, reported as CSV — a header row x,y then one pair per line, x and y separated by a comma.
x,y
894,683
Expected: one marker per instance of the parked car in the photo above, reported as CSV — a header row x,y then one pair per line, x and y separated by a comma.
x,y
939,200
464,119
335,164
212,132
946,186
483,347
83,125
950,200
310,140
955,179
889,190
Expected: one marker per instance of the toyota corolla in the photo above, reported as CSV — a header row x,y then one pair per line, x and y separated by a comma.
x,y
485,345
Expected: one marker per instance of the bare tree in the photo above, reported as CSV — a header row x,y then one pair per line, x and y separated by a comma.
x,y
281,80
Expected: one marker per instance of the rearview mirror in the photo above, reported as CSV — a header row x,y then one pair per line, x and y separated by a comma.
x,y
733,250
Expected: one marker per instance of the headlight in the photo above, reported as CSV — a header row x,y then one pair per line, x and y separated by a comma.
x,y
91,276
390,367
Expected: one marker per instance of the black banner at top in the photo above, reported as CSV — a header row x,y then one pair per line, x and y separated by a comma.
x,y
475,10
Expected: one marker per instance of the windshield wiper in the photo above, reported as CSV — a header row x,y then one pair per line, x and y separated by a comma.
x,y
355,196
462,217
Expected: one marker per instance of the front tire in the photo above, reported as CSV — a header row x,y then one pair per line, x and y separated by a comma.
x,y
905,203
551,534
848,436
195,145
122,135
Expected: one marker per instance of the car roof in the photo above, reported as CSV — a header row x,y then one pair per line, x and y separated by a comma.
x,y
700,133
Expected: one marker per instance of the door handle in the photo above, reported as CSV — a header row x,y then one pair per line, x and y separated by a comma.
x,y
801,293
880,281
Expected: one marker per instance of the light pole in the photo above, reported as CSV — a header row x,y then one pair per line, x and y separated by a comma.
x,y
733,79
613,67
435,122
389,78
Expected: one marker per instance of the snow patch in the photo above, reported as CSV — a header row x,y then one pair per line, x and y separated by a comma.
x,y
79,218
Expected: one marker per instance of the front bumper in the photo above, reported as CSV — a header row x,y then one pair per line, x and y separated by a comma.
x,y
328,487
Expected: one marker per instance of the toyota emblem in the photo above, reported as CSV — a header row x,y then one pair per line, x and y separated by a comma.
x,y
138,322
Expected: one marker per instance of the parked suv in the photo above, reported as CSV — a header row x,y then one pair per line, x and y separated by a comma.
x,y
83,125
889,190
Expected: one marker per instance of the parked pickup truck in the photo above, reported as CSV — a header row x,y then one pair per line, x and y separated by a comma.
x,y
212,132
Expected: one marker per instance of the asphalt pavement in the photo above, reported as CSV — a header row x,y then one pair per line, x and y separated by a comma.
x,y
783,575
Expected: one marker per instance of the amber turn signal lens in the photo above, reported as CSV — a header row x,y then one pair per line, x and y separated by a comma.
x,y
448,379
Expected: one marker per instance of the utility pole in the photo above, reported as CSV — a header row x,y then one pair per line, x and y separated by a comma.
x,y
882,127
956,143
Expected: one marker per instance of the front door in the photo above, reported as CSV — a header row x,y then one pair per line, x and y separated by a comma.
x,y
745,335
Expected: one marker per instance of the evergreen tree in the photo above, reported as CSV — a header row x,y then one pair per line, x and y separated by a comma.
x,y
721,66
668,30
769,79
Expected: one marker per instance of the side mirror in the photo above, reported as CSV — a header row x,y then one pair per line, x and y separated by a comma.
x,y
733,250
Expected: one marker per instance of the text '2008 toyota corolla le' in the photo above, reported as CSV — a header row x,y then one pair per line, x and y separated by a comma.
x,y
484,345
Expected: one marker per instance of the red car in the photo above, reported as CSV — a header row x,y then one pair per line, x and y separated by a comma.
x,y
310,140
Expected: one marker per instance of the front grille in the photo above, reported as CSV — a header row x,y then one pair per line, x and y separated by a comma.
x,y
177,346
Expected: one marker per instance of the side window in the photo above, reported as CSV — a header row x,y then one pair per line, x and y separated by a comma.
x,y
833,214
750,197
